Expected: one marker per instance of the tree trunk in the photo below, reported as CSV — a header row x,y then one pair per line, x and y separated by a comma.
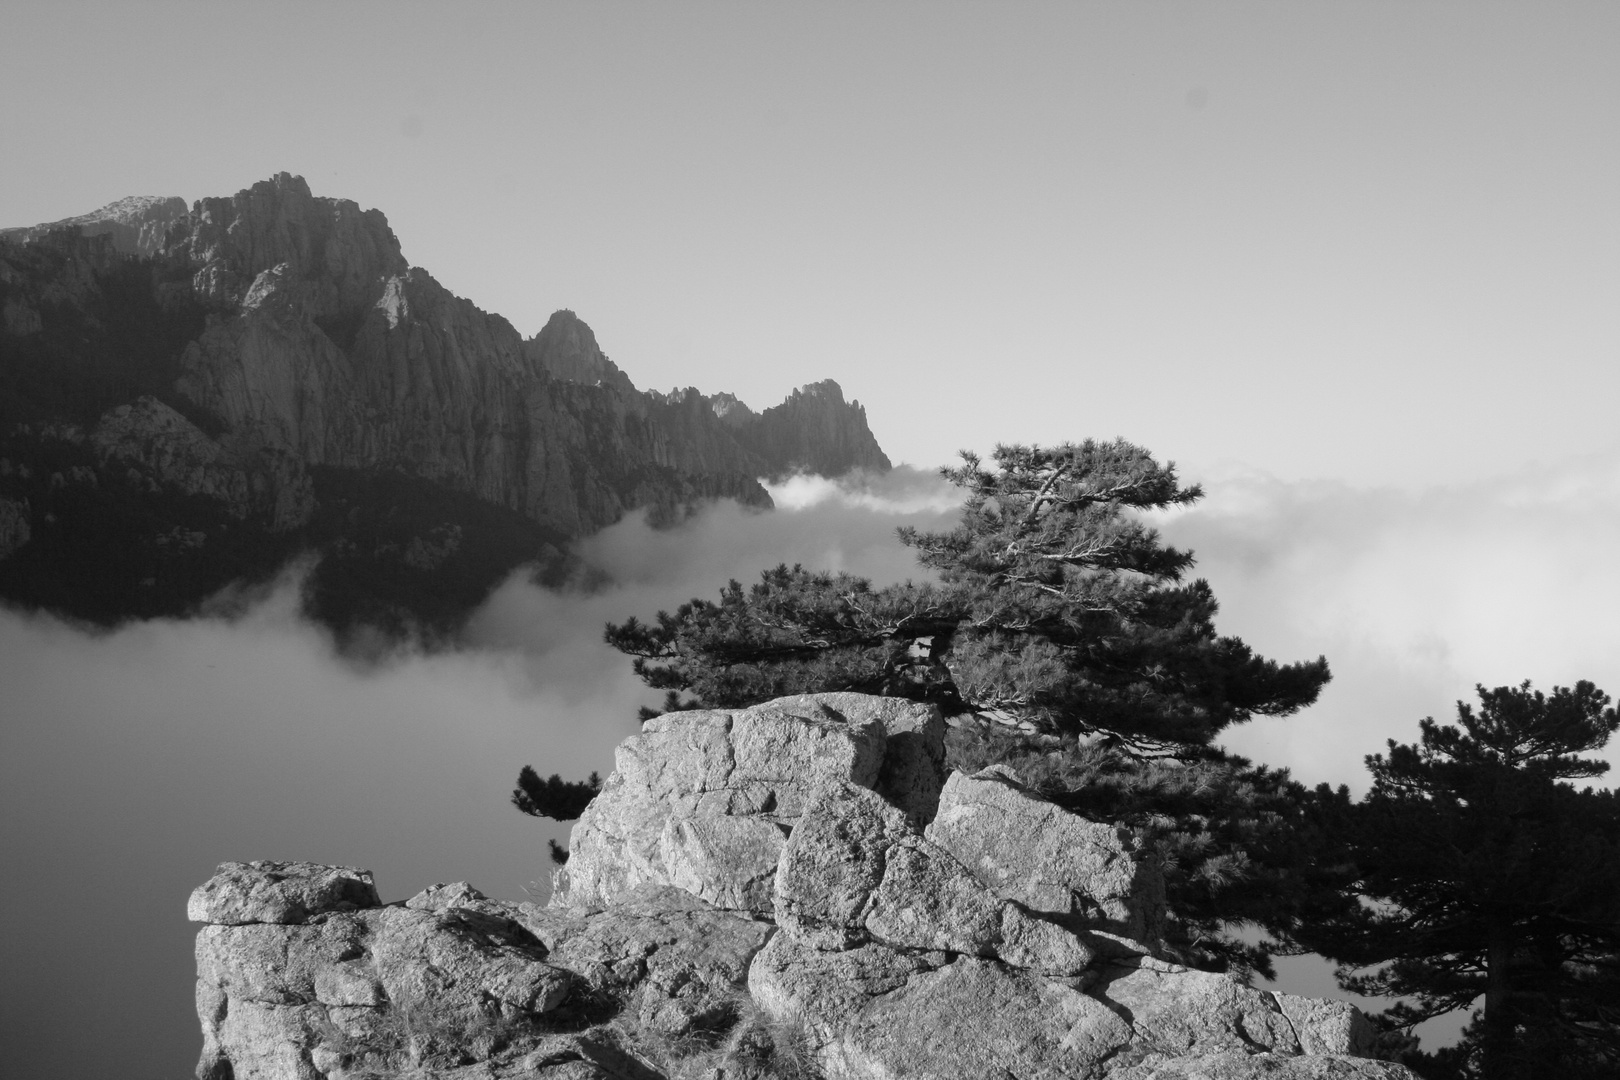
x,y
1498,1043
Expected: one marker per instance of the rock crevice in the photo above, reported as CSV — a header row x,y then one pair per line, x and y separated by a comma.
x,y
794,886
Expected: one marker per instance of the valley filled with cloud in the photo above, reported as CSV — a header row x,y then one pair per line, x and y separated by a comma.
x,y
136,759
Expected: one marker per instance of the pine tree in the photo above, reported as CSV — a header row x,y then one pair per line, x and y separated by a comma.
x,y
1058,611
1062,625
555,798
1487,875
1073,614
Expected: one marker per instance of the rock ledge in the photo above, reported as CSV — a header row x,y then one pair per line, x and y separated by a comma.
x,y
793,889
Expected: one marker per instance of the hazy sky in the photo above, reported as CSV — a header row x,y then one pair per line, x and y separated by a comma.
x,y
1378,242
1355,266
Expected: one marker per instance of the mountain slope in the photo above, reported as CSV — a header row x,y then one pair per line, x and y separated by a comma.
x,y
188,399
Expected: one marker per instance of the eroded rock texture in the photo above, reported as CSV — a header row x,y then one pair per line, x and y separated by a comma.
x,y
786,890
705,800
1022,847
268,365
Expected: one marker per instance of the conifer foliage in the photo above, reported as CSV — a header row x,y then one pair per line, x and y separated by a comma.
x,y
555,798
1062,625
1057,608
1489,877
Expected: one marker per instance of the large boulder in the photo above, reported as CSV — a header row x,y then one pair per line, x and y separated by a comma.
x,y
855,870
1236,1065
821,991
877,1011
374,987
874,1010
1025,848
978,1020
704,800
1180,1012
678,964
913,770
279,892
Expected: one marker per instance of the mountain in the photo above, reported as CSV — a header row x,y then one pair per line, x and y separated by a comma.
x,y
189,398
138,225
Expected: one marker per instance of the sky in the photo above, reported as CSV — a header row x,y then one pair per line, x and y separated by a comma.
x,y
1354,267
1377,242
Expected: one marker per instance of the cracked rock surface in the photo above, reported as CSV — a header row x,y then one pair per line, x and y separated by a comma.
x,y
793,889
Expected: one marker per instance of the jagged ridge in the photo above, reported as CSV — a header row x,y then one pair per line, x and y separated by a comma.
x,y
289,333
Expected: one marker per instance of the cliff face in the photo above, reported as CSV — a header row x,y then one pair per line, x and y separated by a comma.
x,y
336,350
289,332
794,889
815,431
566,349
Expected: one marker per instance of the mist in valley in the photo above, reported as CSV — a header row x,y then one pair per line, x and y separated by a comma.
x,y
134,761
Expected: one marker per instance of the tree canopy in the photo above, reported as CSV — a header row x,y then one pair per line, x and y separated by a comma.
x,y
1065,637
1058,610
555,798
1486,874
1064,627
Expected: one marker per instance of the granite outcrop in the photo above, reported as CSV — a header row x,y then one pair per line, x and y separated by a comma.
x,y
269,355
790,890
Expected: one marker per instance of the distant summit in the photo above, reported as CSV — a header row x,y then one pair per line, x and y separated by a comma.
x,y
567,349
814,430
189,397
137,224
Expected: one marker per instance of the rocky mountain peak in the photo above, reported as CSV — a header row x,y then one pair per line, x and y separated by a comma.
x,y
731,410
566,348
826,388
349,254
345,402
138,224
815,428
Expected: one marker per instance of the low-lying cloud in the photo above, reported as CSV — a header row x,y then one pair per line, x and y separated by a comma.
x,y
132,762
822,524
1414,597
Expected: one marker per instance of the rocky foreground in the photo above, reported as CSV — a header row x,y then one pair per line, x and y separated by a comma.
x,y
790,890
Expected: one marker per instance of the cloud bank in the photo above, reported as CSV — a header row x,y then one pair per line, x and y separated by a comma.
x,y
1414,597
132,762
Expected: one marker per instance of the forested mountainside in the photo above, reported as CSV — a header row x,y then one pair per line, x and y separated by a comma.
x,y
192,397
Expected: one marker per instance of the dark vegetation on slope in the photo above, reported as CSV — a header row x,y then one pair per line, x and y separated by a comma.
x,y
103,337
389,552
403,555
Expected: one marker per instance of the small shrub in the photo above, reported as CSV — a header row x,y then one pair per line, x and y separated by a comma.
x,y
754,1046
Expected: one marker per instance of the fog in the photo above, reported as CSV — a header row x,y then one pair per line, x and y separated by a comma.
x,y
132,762
1414,597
